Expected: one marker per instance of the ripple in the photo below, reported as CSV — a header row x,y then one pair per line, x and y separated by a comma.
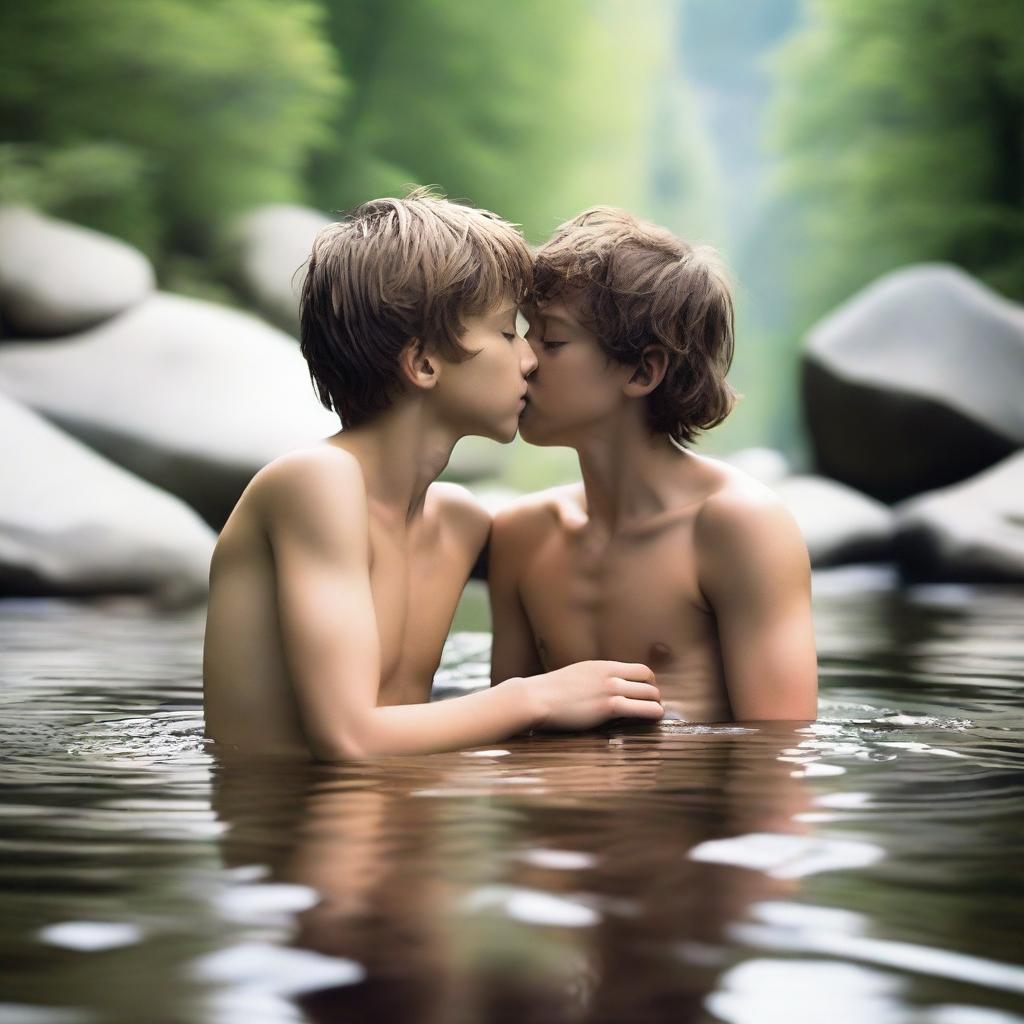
x,y
89,936
788,856
531,906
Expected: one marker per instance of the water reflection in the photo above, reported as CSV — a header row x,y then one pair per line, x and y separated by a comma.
x,y
868,863
527,882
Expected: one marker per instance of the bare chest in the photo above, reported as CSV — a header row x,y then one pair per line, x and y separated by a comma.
x,y
635,600
416,584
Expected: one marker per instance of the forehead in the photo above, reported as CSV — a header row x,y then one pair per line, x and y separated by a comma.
x,y
565,309
503,308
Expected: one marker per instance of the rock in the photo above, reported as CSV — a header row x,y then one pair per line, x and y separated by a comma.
x,y
73,523
839,524
764,464
57,278
970,532
190,396
915,383
271,246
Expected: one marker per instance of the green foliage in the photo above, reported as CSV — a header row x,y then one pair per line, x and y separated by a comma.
x,y
203,109
901,127
108,186
509,106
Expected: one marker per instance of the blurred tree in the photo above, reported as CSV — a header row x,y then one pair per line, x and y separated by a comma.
x,y
722,49
532,109
196,110
902,129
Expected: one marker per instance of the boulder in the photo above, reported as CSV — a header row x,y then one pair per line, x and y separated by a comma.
x,y
915,383
73,523
839,524
190,396
57,278
271,248
765,464
970,532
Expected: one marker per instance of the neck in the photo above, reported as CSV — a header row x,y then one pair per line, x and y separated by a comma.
x,y
628,473
402,451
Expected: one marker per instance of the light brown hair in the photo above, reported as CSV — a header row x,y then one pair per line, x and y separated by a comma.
x,y
396,269
640,285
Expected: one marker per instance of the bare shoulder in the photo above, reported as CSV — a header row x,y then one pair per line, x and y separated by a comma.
x,y
460,511
322,487
742,523
535,515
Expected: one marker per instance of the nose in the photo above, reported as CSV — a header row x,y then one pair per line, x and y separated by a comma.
x,y
527,357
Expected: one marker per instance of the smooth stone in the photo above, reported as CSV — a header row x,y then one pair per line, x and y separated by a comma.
x,y
915,383
839,525
57,278
970,532
73,523
765,464
191,396
271,249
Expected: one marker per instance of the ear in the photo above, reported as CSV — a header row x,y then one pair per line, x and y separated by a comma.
x,y
418,365
649,373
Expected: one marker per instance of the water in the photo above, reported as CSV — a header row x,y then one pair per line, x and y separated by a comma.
x,y
867,868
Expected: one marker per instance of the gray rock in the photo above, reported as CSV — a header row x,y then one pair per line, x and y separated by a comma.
x,y
970,532
764,464
839,524
915,383
73,523
270,245
56,278
190,396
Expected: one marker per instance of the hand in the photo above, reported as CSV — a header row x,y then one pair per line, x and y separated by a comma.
x,y
588,693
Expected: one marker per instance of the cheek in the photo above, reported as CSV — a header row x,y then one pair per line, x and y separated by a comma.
x,y
569,372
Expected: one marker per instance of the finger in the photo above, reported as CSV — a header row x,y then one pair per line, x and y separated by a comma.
x,y
637,691
626,707
631,670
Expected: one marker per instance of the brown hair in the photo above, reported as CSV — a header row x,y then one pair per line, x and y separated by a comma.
x,y
641,285
395,269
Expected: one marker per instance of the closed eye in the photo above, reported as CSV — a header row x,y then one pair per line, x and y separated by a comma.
x,y
551,345
509,335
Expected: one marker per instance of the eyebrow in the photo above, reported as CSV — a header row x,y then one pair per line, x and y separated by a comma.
x,y
507,311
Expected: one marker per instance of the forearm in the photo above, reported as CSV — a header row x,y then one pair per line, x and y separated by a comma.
x,y
488,716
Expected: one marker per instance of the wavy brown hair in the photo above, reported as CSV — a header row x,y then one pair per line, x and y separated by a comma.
x,y
640,285
396,269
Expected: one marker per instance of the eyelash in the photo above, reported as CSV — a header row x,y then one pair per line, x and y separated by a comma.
x,y
509,335
551,345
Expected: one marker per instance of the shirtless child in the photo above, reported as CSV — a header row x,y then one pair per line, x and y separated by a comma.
x,y
335,579
660,555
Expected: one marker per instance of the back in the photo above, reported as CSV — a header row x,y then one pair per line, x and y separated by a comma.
x,y
249,702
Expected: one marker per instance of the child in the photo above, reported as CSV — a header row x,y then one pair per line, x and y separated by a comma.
x,y
335,579
660,555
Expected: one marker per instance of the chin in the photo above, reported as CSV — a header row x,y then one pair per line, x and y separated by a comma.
x,y
534,437
503,433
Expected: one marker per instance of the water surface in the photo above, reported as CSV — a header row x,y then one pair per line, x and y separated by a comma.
x,y
866,868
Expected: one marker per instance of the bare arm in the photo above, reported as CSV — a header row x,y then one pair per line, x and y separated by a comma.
x,y
513,651
755,573
318,528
